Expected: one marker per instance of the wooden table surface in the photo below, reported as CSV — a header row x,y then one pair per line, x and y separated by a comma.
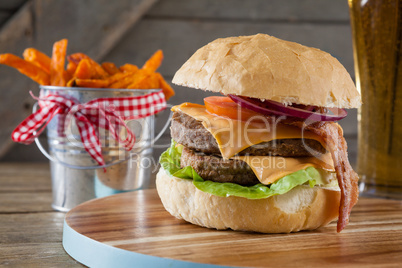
x,y
31,232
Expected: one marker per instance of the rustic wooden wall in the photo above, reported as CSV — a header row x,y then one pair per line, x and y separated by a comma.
x,y
8,9
179,27
92,27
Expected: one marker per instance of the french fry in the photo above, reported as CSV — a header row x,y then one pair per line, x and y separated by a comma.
x,y
144,80
27,68
77,57
166,88
58,76
126,78
154,61
117,77
67,76
98,71
71,67
71,82
128,68
93,83
38,58
124,81
84,70
110,68
73,61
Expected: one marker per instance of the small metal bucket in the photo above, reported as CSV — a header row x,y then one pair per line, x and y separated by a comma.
x,y
76,176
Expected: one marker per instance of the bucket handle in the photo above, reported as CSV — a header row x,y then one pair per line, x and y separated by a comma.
x,y
51,158
164,128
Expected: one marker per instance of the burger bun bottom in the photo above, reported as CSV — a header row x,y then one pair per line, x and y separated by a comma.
x,y
302,208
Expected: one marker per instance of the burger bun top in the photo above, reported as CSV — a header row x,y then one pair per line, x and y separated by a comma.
x,y
265,67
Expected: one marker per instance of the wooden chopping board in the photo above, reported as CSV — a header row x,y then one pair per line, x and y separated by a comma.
x,y
134,230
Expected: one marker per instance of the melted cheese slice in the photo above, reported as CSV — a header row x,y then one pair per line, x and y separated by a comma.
x,y
269,169
233,136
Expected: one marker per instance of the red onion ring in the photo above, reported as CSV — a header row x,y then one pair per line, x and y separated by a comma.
x,y
269,107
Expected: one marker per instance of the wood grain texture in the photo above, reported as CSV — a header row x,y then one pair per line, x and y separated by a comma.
x,y
284,10
92,27
138,222
15,103
178,27
38,254
179,39
4,15
11,5
25,202
30,231
32,237
24,178
45,227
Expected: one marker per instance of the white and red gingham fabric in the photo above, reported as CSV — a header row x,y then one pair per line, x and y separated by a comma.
x,y
107,113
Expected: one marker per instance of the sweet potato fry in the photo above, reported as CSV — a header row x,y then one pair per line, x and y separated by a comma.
x,y
67,75
118,77
71,82
73,61
77,57
110,68
123,82
137,77
71,67
38,58
93,83
27,68
166,88
144,80
128,68
154,61
58,76
98,71
84,70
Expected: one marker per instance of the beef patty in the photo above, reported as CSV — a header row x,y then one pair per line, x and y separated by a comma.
x,y
215,168
192,134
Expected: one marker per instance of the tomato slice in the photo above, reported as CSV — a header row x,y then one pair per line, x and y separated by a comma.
x,y
225,106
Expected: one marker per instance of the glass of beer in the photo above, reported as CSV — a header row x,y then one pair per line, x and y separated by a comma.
x,y
377,44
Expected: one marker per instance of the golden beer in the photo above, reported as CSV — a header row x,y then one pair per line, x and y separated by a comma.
x,y
377,35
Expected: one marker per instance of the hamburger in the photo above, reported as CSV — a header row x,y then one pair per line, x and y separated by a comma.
x,y
268,154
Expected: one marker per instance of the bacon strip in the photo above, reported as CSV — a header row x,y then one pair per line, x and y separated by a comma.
x,y
332,135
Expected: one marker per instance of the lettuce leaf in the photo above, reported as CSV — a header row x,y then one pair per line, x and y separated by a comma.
x,y
170,161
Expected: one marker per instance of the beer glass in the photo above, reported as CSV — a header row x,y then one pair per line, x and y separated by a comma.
x,y
377,32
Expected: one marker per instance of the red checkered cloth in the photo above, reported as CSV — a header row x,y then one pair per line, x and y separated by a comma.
x,y
107,113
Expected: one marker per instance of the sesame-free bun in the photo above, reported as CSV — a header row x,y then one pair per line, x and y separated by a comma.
x,y
265,67
302,208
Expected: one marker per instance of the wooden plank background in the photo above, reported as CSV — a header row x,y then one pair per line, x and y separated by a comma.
x,y
92,27
179,27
